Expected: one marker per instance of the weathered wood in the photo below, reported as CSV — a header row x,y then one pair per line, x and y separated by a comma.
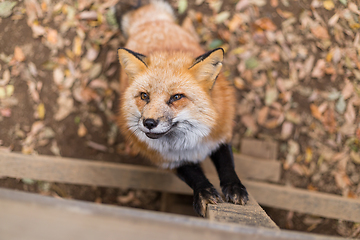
x,y
26,216
66,169
127,176
304,201
251,168
259,148
74,171
250,214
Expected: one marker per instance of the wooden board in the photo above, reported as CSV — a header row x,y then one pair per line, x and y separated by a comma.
x,y
126,176
304,201
251,168
259,148
250,214
26,216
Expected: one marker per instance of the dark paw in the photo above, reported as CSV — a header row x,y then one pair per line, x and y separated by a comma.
x,y
235,193
204,196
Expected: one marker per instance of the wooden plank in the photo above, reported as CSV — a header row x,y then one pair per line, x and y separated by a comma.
x,y
85,172
250,214
304,201
26,216
125,176
259,148
251,168
49,167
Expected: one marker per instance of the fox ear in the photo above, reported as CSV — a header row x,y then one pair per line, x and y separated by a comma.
x,y
207,67
132,62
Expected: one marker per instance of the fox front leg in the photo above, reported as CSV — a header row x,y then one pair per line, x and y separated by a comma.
x,y
204,191
231,185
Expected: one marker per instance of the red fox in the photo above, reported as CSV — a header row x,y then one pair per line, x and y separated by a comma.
x,y
176,105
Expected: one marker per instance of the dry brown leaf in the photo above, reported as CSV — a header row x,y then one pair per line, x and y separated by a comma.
x,y
266,24
235,22
19,54
274,3
350,114
52,36
348,89
284,14
249,122
319,69
329,121
315,111
320,32
82,131
262,115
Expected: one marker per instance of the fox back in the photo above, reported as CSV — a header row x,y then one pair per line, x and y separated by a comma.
x,y
176,106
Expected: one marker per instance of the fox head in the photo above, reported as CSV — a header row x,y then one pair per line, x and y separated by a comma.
x,y
169,96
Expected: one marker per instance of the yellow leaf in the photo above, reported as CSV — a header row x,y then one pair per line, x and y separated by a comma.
x,y
77,46
41,111
329,56
328,5
308,155
9,90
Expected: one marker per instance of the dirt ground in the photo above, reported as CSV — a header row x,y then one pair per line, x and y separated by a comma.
x,y
295,65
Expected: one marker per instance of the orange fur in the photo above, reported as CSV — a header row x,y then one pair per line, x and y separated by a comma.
x,y
167,70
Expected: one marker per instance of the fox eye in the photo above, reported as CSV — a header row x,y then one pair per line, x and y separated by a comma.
x,y
144,96
175,97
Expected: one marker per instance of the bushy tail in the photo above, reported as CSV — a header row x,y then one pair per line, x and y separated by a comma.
x,y
155,10
123,7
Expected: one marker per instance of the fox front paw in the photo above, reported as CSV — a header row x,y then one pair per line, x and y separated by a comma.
x,y
235,193
204,196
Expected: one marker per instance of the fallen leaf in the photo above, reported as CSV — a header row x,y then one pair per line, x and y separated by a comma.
x,y
82,131
55,148
266,24
88,15
319,69
6,8
262,115
271,95
221,17
18,54
58,76
96,146
329,5
348,89
77,45
5,112
320,32
286,130
315,111
355,157
329,121
249,122
52,36
354,8
65,103
95,71
5,78
41,111
350,114
182,6
340,105
239,83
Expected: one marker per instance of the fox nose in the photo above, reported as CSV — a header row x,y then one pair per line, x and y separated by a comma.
x,y
150,123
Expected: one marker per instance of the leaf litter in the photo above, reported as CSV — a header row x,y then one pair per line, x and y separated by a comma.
x,y
297,75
